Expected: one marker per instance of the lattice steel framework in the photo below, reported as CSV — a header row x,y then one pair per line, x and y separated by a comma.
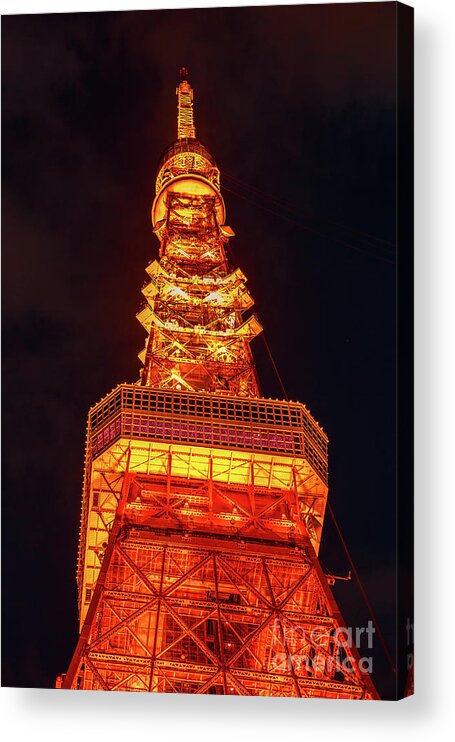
x,y
203,502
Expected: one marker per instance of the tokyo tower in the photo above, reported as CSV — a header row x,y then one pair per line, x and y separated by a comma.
x,y
203,502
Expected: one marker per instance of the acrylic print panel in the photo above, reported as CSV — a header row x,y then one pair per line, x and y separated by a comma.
x,y
255,170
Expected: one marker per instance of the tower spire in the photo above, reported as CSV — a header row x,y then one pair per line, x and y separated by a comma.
x,y
185,122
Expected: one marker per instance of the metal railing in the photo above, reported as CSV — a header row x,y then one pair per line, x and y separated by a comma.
x,y
182,146
252,424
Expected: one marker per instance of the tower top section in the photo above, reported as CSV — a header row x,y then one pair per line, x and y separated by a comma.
x,y
186,166
185,120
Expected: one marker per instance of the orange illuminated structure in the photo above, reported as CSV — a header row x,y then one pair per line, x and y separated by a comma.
x,y
203,502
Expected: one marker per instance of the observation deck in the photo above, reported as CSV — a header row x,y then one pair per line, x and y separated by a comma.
x,y
186,166
273,427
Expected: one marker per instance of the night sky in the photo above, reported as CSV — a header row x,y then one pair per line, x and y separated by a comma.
x,y
297,104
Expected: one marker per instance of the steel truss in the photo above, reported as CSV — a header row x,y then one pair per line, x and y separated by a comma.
x,y
186,611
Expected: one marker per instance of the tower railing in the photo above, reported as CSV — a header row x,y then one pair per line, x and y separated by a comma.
x,y
252,424
182,146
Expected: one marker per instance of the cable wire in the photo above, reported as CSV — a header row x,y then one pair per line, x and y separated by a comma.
x,y
362,589
309,229
291,207
342,540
